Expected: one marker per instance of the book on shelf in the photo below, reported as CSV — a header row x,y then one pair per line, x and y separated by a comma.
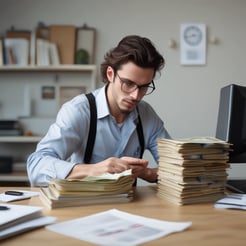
x,y
16,219
64,36
47,53
42,51
20,53
17,51
53,54
192,170
104,189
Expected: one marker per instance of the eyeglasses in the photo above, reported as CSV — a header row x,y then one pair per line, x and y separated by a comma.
x,y
128,86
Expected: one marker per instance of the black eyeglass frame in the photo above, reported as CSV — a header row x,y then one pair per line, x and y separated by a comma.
x,y
150,86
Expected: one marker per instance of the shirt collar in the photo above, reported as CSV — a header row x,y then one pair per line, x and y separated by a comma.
x,y
102,105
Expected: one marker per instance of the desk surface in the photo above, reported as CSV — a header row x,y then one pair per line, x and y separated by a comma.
x,y
210,226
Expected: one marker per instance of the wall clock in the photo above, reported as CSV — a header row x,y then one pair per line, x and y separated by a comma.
x,y
193,44
192,35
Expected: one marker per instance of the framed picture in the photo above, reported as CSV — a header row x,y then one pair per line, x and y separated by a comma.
x,y
66,93
85,45
48,92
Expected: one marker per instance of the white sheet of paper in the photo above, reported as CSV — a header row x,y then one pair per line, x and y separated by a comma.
x,y
233,201
26,226
114,227
15,212
10,198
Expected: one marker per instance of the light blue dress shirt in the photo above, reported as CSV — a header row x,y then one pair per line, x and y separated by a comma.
x,y
64,144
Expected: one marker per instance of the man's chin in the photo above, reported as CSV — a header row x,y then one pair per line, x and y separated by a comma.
x,y
128,108
126,111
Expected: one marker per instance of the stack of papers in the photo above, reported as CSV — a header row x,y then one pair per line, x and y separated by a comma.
x,y
16,219
108,188
192,170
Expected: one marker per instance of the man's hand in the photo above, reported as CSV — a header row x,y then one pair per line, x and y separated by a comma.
x,y
138,166
110,165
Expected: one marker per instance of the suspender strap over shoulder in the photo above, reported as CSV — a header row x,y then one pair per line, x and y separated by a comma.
x,y
92,129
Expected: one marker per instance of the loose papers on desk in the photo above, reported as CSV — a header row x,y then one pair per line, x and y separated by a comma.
x,y
192,170
26,194
233,201
16,219
114,227
108,188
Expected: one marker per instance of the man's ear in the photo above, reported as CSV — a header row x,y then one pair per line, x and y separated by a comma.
x,y
110,74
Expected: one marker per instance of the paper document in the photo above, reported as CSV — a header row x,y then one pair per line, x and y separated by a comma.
x,y
107,176
233,201
26,226
15,219
114,227
14,214
10,198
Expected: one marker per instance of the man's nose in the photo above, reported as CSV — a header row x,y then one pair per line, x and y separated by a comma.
x,y
136,93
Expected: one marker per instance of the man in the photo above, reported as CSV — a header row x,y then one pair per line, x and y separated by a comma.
x,y
128,72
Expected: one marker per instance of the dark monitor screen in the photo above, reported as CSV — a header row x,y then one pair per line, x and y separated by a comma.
x,y
231,123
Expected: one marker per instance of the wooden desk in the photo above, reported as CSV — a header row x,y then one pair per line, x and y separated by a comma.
x,y
210,226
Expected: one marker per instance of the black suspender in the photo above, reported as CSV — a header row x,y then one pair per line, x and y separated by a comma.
x,y
93,128
140,134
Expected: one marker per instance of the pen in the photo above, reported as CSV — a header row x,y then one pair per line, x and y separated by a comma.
x,y
13,193
2,208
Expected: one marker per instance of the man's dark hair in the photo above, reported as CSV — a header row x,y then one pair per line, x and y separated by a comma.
x,y
136,49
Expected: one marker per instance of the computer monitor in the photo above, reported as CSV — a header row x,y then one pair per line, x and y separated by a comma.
x,y
231,126
231,123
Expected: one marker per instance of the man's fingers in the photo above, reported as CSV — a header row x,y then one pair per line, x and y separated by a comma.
x,y
135,161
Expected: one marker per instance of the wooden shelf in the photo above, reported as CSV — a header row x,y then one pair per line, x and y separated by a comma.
x,y
60,68
14,177
20,139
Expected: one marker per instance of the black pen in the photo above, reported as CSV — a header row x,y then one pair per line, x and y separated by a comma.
x,y
13,193
3,208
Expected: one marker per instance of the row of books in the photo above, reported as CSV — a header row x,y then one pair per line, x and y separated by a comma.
x,y
25,48
104,189
48,45
192,170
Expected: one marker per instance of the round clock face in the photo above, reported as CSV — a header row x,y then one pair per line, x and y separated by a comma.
x,y
193,35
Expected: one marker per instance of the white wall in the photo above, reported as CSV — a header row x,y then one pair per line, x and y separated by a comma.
x,y
186,97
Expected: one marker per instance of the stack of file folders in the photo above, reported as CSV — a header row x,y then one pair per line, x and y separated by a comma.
x,y
104,189
10,128
192,170
16,219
